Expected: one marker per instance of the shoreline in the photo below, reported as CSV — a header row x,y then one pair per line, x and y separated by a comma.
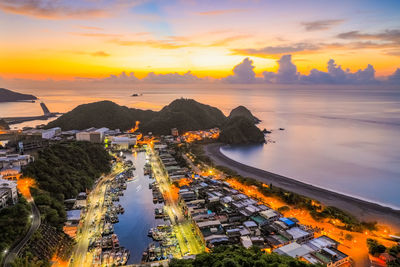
x,y
361,209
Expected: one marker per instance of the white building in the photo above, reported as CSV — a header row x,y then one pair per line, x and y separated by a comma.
x,y
123,142
8,193
102,132
14,160
50,133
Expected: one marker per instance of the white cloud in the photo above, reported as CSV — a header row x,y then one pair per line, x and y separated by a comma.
x,y
287,72
395,77
242,73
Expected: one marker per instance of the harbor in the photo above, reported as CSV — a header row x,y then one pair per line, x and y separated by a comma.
x,y
139,211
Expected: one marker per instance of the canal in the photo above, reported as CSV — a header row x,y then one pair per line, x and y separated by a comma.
x,y
138,218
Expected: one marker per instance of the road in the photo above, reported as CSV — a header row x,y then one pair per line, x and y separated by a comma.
x,y
189,242
13,253
80,256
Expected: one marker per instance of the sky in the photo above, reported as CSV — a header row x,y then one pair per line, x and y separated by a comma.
x,y
237,41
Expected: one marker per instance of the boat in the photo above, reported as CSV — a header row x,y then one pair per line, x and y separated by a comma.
x,y
135,94
115,241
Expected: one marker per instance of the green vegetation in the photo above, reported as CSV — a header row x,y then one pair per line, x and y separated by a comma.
x,y
232,256
240,130
395,253
185,115
242,111
13,223
101,114
27,262
374,247
61,172
10,96
284,209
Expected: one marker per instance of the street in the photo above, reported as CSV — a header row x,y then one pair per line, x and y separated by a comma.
x,y
35,223
81,256
189,242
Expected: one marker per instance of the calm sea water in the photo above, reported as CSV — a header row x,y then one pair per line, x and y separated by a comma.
x,y
138,218
342,139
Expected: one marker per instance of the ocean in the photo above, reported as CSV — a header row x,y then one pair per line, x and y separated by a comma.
x,y
341,139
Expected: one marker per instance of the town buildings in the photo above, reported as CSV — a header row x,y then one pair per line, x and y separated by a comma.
x,y
8,193
223,215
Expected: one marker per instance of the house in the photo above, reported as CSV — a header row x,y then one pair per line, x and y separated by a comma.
x,y
50,133
270,215
246,241
122,142
322,250
294,250
73,216
8,193
14,160
299,235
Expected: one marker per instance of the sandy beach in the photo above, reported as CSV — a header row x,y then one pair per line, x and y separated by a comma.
x,y
363,210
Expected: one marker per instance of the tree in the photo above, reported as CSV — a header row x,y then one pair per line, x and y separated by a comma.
x,y
232,256
374,247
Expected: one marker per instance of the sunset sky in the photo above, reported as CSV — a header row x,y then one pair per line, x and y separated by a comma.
x,y
65,40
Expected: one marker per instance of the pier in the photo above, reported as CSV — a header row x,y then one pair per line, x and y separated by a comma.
x,y
46,115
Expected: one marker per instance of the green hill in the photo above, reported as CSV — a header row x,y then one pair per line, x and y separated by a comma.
x,y
240,130
185,115
101,114
10,96
243,112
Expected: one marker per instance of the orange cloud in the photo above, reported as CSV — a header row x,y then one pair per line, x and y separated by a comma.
x,y
100,54
96,34
95,54
91,28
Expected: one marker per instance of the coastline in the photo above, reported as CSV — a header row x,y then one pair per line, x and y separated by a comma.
x,y
361,209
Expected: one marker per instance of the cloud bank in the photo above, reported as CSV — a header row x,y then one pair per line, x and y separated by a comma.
x,y
244,73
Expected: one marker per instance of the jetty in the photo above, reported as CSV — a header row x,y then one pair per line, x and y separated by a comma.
x,y
46,115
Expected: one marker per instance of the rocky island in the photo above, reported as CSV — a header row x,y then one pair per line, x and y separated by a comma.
x,y
10,96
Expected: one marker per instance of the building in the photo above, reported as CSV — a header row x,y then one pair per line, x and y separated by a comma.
x,y
123,142
299,235
103,131
8,193
12,174
8,161
174,132
93,137
270,215
50,133
322,250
